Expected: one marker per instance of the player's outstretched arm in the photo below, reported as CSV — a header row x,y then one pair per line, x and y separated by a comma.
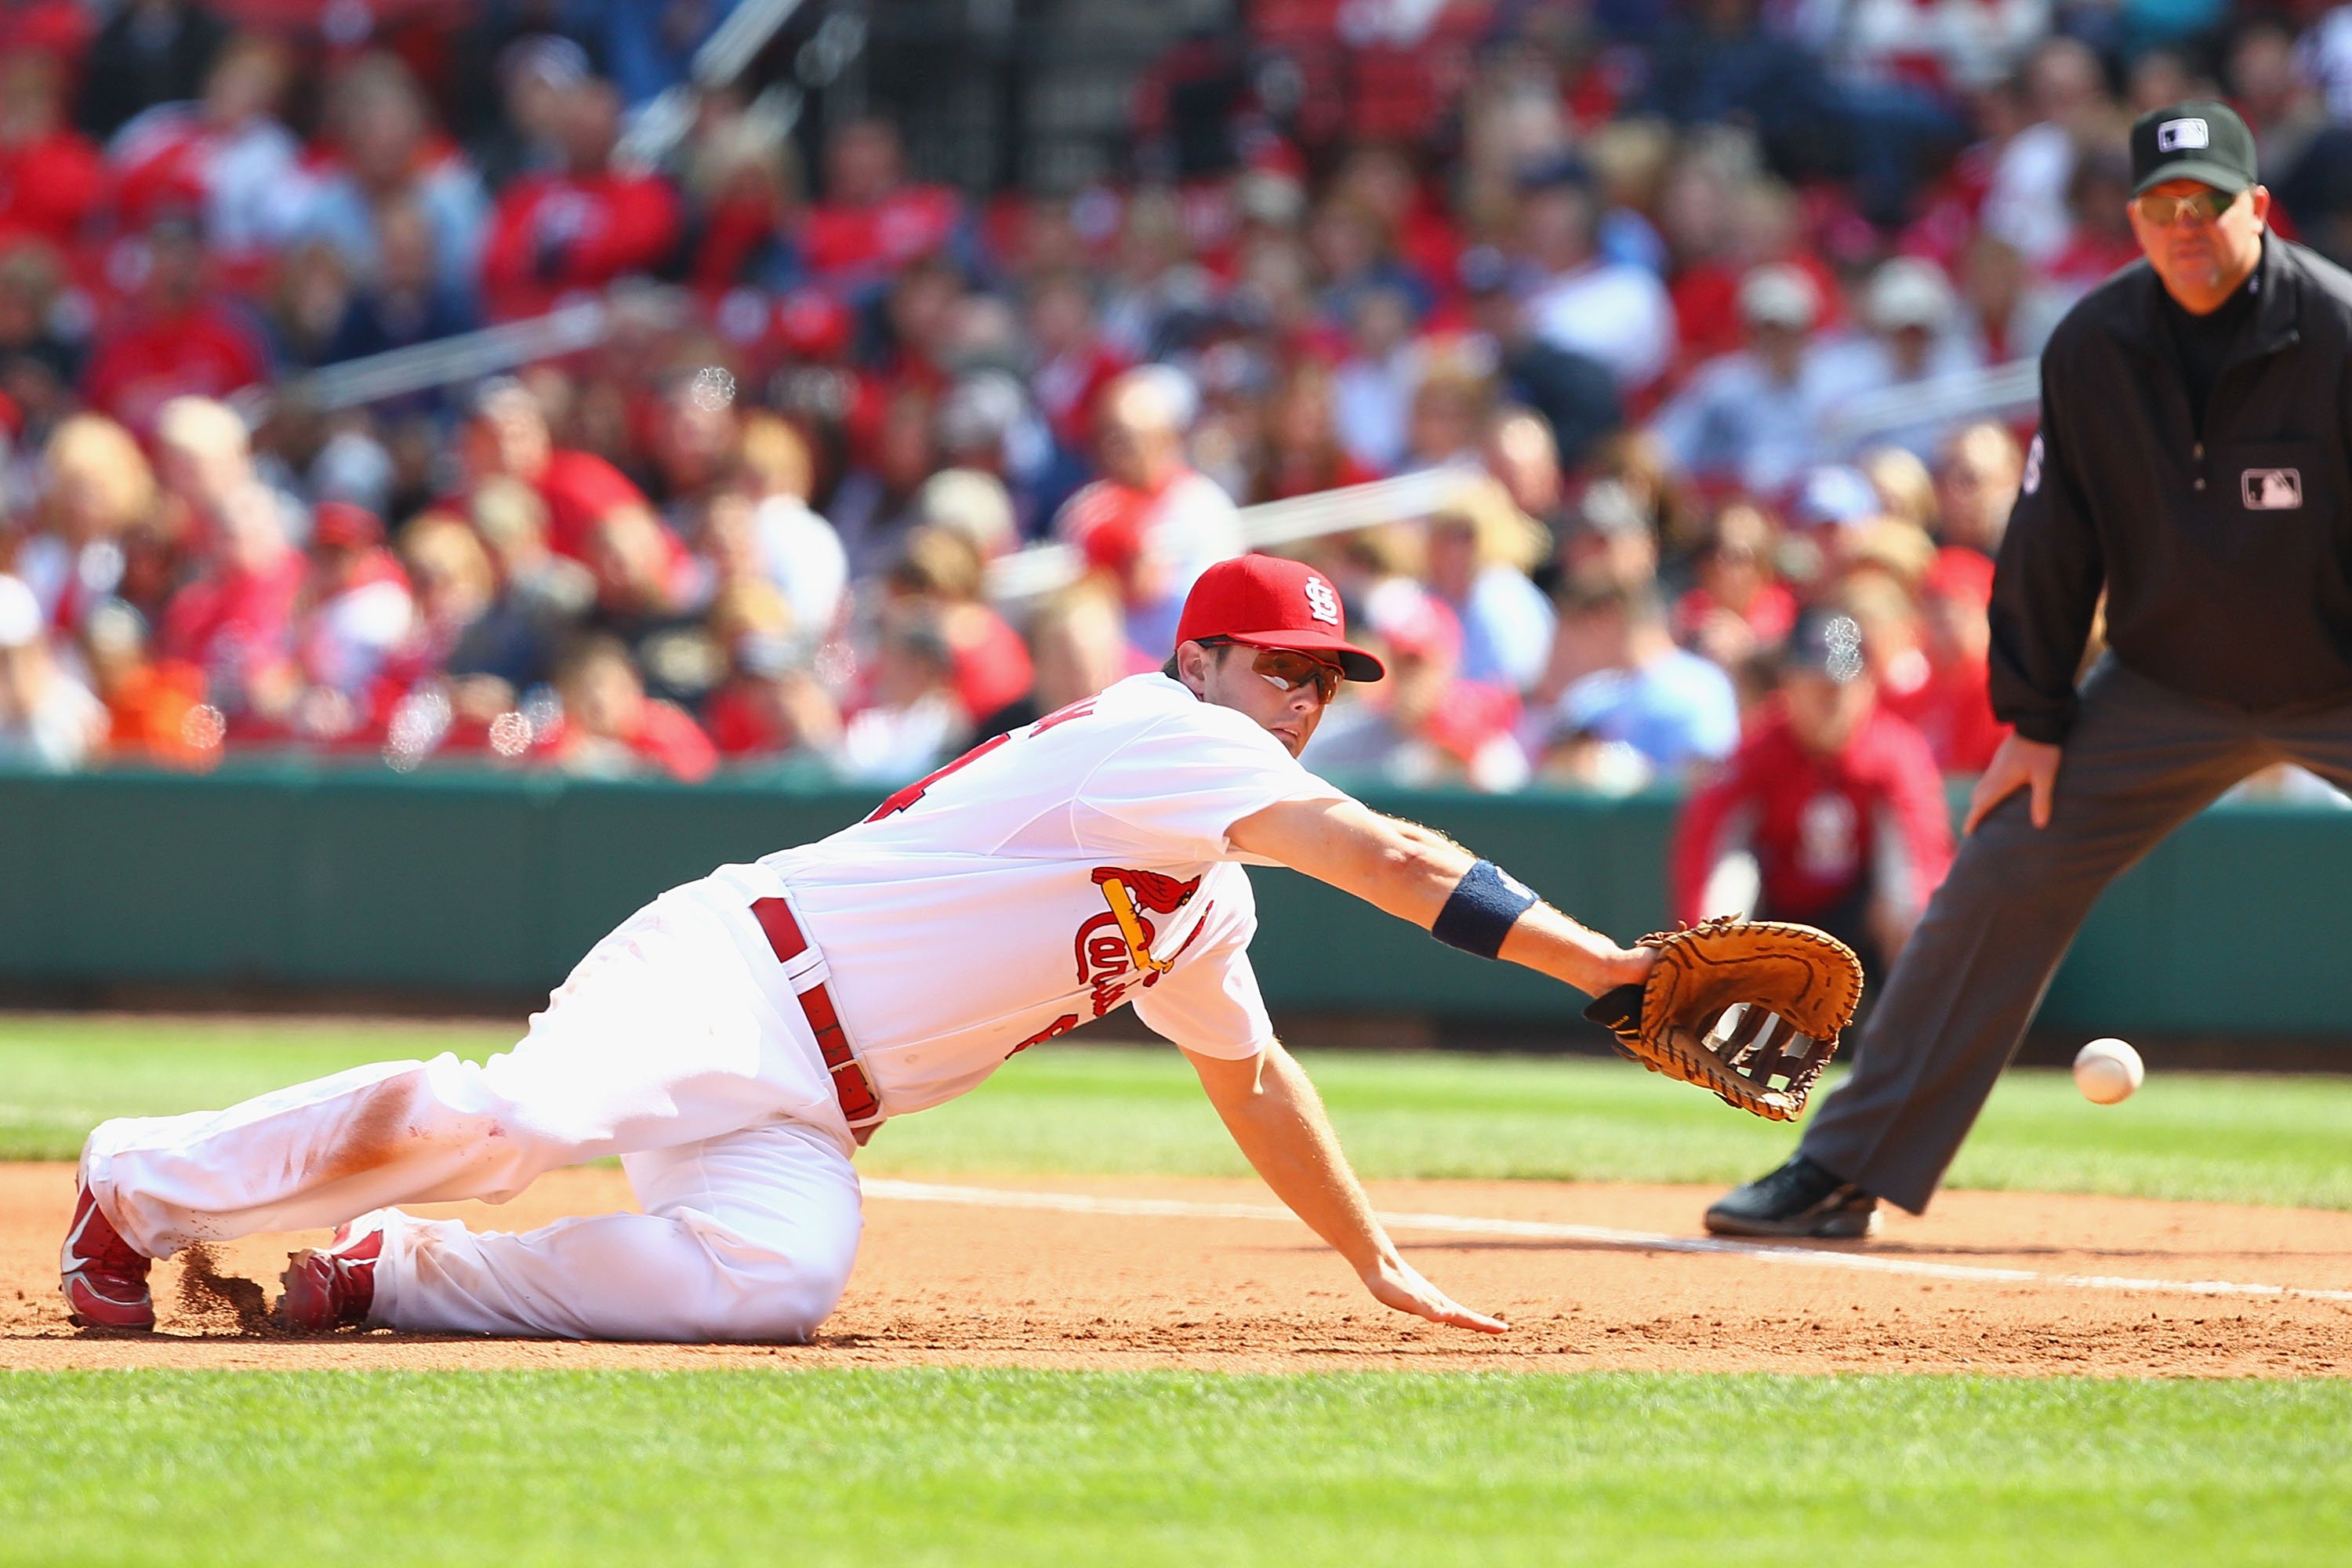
x,y
1410,872
1276,1117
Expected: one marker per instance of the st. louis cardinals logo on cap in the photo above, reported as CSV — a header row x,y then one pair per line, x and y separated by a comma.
x,y
1321,602
2179,135
2271,490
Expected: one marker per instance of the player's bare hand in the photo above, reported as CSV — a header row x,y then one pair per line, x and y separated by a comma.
x,y
2020,763
1396,1283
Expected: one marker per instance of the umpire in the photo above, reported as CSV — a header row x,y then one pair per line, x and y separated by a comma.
x,y
2195,463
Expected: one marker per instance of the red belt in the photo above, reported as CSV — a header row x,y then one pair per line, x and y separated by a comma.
x,y
851,1086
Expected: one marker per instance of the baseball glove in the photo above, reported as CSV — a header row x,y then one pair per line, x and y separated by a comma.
x,y
1750,1009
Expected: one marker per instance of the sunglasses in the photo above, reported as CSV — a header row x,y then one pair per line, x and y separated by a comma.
x,y
2203,208
1287,668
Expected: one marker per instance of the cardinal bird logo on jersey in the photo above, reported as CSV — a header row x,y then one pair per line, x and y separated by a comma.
x,y
1115,947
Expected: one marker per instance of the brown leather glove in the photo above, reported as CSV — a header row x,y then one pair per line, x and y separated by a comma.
x,y
1750,1009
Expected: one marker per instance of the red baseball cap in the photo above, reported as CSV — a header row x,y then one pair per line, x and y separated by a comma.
x,y
1269,601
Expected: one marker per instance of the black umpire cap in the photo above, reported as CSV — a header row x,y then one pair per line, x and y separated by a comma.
x,y
2200,140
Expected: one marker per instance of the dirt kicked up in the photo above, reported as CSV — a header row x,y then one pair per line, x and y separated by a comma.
x,y
1107,1272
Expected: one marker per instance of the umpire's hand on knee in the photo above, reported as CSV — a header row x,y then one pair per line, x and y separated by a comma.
x,y
2018,764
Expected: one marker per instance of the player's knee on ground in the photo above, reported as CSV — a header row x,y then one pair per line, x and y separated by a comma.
x,y
755,1295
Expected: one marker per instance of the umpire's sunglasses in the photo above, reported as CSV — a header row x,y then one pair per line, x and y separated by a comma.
x,y
1287,667
2204,206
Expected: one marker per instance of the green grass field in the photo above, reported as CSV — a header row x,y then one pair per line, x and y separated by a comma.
x,y
1116,1469
1106,1469
1088,1108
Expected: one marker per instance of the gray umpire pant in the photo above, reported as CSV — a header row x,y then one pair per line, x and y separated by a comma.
x,y
2139,761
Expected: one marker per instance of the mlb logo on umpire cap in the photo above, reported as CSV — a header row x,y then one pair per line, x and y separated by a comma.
x,y
2175,135
2271,490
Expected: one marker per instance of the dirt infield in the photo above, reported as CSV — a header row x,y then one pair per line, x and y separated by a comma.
x,y
1116,1272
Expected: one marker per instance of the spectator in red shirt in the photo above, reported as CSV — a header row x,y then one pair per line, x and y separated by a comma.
x,y
1831,812
609,728
51,177
178,337
938,572
1072,362
354,613
872,221
509,437
237,621
580,227
1952,709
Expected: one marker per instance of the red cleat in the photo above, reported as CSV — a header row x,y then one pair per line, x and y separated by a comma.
x,y
105,1279
330,1287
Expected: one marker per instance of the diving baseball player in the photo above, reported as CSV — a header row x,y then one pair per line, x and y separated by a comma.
x,y
737,1040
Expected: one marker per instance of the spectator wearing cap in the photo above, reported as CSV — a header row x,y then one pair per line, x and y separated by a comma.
x,y
1424,724
178,337
1151,523
1831,812
49,721
1674,707
1609,310
611,729
1753,418
579,228
1912,312
1481,547
389,160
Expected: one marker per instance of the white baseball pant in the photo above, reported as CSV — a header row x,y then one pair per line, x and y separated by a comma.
x,y
659,1048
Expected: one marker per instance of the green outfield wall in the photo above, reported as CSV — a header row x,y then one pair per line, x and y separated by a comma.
x,y
304,876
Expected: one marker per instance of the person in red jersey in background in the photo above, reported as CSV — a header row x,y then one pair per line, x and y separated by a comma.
x,y
1831,812
51,178
581,226
872,221
177,337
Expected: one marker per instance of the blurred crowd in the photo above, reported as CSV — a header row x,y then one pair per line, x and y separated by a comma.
x,y
1623,272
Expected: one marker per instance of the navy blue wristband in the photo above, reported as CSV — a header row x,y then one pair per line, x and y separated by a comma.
x,y
1486,903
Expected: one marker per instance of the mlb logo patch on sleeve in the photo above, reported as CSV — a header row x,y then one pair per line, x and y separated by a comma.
x,y
2271,490
2174,134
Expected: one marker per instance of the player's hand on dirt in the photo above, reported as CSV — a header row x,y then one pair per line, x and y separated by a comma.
x,y
1396,1283
2020,763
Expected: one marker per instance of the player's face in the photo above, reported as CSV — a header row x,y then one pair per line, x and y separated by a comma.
x,y
1282,691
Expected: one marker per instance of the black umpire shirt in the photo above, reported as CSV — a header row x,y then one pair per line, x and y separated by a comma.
x,y
2201,472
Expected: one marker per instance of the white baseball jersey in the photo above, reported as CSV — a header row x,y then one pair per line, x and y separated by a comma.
x,y
1034,884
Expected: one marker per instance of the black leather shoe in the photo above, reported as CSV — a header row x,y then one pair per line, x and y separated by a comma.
x,y
1798,1199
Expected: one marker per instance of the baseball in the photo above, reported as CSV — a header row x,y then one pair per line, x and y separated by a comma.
x,y
2106,1071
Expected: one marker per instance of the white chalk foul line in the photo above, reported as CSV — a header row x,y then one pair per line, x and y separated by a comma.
x,y
1599,1236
